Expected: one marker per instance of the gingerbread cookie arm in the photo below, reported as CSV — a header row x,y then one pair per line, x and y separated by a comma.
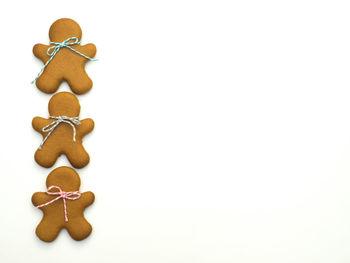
x,y
88,50
39,50
85,127
38,123
39,198
87,198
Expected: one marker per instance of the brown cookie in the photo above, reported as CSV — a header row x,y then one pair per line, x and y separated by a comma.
x,y
63,184
62,132
66,65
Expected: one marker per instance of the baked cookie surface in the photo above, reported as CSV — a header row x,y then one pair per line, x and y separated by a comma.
x,y
66,65
67,211
62,132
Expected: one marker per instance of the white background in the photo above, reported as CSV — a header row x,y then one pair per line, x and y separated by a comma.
x,y
222,131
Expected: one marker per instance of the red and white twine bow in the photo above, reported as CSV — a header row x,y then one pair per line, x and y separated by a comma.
x,y
61,194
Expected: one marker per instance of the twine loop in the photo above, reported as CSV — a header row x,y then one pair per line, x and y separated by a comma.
x,y
51,51
61,194
72,121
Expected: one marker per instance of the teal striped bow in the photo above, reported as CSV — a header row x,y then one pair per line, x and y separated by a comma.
x,y
52,51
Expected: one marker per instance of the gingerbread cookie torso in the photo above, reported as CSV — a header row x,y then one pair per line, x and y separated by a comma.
x,y
63,206
62,132
66,65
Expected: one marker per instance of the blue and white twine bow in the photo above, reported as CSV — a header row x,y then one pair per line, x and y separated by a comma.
x,y
52,51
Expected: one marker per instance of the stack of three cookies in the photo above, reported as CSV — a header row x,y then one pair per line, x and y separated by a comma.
x,y
64,60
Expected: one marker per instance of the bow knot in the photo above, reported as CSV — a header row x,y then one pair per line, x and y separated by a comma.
x,y
52,51
61,194
72,121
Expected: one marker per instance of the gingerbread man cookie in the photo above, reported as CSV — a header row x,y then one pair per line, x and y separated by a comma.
x,y
62,132
64,59
63,206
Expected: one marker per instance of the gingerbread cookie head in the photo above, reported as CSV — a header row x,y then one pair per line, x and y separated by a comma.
x,y
63,206
65,178
63,29
64,104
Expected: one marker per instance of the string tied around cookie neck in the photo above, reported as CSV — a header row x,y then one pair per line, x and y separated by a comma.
x,y
72,121
61,194
52,51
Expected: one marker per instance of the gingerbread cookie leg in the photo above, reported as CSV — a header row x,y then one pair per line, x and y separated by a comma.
x,y
48,82
47,230
79,81
79,228
77,156
46,157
